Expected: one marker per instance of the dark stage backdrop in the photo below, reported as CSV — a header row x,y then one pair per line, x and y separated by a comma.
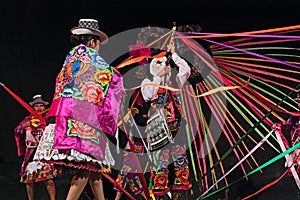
x,y
34,39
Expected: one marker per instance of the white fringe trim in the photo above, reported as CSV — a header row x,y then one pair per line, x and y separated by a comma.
x,y
45,151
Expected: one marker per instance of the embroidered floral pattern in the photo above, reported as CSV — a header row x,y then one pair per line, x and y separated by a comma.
x,y
164,155
60,82
82,130
163,165
178,150
80,50
132,186
92,92
76,81
103,77
77,65
183,176
60,76
161,181
181,162
119,181
68,91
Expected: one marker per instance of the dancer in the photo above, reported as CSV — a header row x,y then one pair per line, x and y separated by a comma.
x,y
168,152
293,126
27,135
129,173
84,112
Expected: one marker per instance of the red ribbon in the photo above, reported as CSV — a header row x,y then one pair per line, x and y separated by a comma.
x,y
24,104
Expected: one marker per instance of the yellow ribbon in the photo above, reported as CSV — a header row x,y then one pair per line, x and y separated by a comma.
x,y
212,91
218,89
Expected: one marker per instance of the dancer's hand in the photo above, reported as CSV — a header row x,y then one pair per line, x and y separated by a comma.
x,y
276,126
171,47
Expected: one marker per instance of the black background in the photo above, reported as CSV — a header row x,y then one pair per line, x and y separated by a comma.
x,y
34,39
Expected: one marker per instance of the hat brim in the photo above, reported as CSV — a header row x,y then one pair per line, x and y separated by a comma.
x,y
83,31
35,102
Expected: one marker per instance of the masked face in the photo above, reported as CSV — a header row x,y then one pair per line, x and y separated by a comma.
x,y
157,65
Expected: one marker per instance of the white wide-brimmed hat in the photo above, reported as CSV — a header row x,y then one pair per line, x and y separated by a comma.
x,y
89,26
38,99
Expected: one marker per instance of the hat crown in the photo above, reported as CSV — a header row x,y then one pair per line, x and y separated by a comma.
x,y
89,27
88,23
37,99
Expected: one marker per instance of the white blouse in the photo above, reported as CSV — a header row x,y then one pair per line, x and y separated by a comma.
x,y
149,92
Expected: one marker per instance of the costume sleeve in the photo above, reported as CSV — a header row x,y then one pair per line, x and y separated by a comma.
x,y
149,92
184,70
19,130
20,136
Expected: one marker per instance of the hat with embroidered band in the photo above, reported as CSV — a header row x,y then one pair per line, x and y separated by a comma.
x,y
89,26
38,99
